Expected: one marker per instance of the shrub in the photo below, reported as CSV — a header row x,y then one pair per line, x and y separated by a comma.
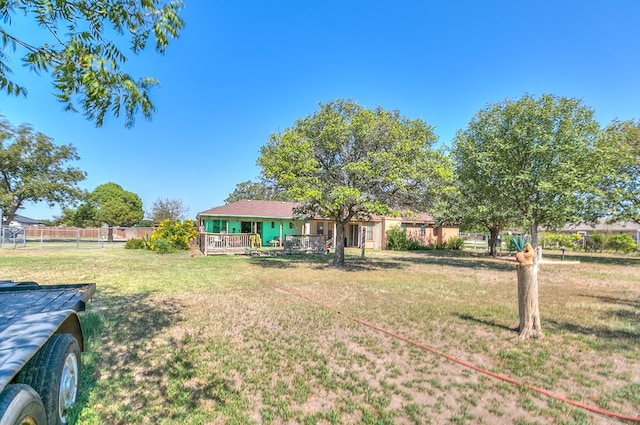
x,y
161,246
596,242
397,240
172,235
135,244
557,240
621,242
455,243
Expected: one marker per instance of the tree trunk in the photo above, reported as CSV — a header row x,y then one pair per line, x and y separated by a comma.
x,y
338,258
493,238
363,238
528,302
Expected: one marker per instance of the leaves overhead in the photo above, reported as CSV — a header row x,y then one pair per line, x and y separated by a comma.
x,y
80,54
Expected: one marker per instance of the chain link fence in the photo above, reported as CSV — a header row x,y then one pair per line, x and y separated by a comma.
x,y
41,237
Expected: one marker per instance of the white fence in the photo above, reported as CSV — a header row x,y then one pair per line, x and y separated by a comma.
x,y
226,243
475,240
294,244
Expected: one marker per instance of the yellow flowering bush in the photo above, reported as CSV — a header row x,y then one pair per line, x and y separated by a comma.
x,y
172,235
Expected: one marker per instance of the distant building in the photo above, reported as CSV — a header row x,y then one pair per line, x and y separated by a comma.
x,y
630,228
20,220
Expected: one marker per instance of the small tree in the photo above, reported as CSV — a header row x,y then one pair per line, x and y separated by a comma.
x,y
167,209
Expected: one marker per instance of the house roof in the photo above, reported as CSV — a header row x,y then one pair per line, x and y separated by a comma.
x,y
604,226
283,210
253,208
25,221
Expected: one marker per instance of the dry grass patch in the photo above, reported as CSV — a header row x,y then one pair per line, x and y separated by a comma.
x,y
203,340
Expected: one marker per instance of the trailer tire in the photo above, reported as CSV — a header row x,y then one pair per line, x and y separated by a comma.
x,y
21,405
54,372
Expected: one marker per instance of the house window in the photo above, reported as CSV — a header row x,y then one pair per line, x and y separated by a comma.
x,y
370,231
218,226
320,229
273,224
290,225
423,230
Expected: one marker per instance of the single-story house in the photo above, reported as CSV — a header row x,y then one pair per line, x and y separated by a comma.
x,y
273,221
630,228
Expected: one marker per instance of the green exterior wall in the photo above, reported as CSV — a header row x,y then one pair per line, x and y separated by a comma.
x,y
267,233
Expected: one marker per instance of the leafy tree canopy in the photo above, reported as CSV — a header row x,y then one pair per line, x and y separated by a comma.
x,y
535,160
76,49
34,169
116,206
167,209
108,204
621,186
260,191
346,162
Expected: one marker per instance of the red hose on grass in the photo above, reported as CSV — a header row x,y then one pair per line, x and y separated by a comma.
x,y
505,378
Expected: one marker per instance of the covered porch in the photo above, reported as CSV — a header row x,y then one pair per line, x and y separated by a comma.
x,y
250,243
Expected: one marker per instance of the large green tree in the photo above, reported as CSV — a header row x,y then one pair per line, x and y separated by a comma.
x,y
540,158
34,169
116,206
261,191
346,162
76,48
108,204
620,188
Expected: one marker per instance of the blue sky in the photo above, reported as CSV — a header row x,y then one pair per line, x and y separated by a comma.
x,y
242,70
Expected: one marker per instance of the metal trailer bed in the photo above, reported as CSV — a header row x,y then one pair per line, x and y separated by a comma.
x,y
30,314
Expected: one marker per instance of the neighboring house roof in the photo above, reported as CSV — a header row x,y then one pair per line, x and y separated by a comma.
x,y
21,220
252,208
603,226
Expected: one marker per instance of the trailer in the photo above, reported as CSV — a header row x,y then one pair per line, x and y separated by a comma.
x,y
40,344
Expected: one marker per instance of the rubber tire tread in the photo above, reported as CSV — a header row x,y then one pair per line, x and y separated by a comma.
x,y
19,401
44,370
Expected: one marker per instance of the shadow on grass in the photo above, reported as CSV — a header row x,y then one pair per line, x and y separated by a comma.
x,y
115,331
600,336
616,301
470,318
607,259
355,263
458,259
322,261
123,371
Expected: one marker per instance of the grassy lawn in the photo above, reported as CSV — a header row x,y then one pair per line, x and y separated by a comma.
x,y
179,339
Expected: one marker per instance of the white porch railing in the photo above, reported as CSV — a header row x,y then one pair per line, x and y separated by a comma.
x,y
294,244
227,243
